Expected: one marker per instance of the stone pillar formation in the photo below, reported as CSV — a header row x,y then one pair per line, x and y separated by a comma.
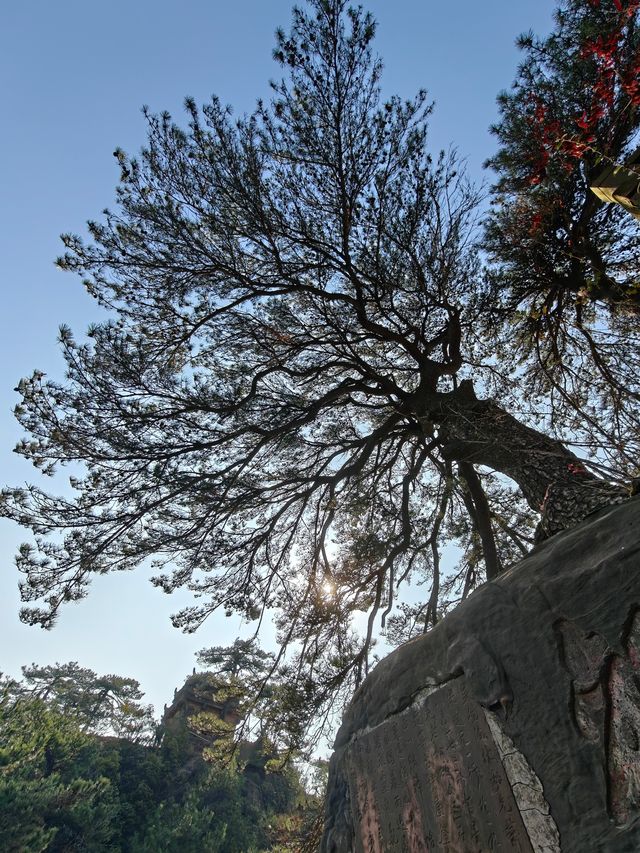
x,y
514,725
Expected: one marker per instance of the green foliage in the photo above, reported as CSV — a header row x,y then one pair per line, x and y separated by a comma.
x,y
106,704
310,379
185,826
47,802
244,659
566,265
63,789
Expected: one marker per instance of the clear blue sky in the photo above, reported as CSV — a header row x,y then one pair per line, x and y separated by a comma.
x,y
74,76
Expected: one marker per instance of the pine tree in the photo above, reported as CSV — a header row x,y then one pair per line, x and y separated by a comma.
x,y
308,383
566,277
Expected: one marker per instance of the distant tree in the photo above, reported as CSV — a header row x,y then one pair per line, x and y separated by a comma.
x,y
62,789
304,388
191,826
222,810
247,676
242,660
105,704
45,804
141,774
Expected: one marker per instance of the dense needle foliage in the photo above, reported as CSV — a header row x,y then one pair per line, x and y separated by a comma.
x,y
66,786
566,273
311,380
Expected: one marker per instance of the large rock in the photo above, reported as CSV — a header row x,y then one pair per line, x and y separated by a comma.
x,y
515,724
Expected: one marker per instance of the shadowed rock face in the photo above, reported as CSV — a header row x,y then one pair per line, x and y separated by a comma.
x,y
514,725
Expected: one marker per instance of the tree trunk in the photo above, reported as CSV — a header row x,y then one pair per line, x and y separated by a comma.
x,y
480,511
553,480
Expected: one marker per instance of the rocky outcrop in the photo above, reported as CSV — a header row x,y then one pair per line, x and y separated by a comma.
x,y
514,725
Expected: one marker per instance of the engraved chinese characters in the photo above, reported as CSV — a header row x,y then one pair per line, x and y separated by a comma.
x,y
431,779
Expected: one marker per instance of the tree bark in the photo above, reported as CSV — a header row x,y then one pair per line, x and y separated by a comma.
x,y
552,479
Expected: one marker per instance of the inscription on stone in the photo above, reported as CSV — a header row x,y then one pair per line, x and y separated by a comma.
x,y
431,779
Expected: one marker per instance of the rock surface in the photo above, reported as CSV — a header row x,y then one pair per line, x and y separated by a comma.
x,y
515,723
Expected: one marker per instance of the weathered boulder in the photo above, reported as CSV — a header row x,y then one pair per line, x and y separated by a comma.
x,y
514,725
